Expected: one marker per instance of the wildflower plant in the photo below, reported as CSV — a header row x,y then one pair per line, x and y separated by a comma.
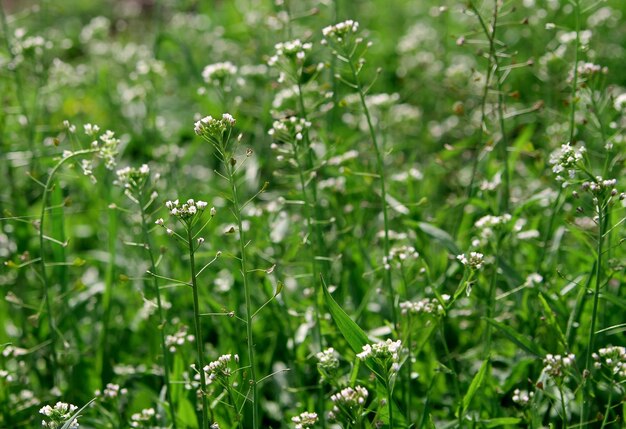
x,y
218,133
136,183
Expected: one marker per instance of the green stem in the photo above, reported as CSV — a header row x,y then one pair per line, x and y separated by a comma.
x,y
199,337
44,275
246,287
594,311
313,229
155,284
383,190
608,406
390,402
563,408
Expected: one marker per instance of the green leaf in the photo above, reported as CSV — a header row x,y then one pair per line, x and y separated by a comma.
x,y
354,335
75,415
517,338
474,386
440,236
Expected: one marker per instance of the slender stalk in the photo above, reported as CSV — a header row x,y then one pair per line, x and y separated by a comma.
x,y
605,420
594,311
390,402
313,229
244,273
199,337
383,190
563,408
155,284
44,275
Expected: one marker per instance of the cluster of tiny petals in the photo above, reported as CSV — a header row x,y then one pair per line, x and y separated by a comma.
x,y
289,129
600,186
111,391
142,419
424,306
185,210
566,159
400,254
172,342
327,359
613,357
130,177
557,365
385,350
490,221
214,127
294,49
304,420
348,399
59,415
522,397
338,31
219,368
475,260
216,73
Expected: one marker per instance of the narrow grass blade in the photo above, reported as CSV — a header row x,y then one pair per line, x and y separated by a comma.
x,y
474,386
440,236
517,338
76,414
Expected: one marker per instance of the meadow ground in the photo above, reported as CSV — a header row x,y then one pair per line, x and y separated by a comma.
x,y
312,214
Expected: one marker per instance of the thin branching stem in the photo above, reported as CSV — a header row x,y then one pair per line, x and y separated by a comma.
x,y
198,327
157,291
246,287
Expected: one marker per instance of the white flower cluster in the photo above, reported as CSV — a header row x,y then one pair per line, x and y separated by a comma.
x,y
400,254
186,210
566,159
586,69
385,350
487,224
340,30
304,420
59,415
288,130
132,178
214,128
107,150
111,391
475,260
522,397
424,306
142,419
327,359
614,358
178,339
292,50
556,365
599,186
219,368
217,73
349,400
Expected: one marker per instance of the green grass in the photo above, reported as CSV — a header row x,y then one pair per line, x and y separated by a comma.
x,y
409,190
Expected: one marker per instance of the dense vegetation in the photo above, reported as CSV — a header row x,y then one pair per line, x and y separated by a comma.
x,y
356,214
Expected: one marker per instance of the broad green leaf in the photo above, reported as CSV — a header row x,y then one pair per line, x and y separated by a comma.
x,y
517,338
439,235
474,386
350,330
